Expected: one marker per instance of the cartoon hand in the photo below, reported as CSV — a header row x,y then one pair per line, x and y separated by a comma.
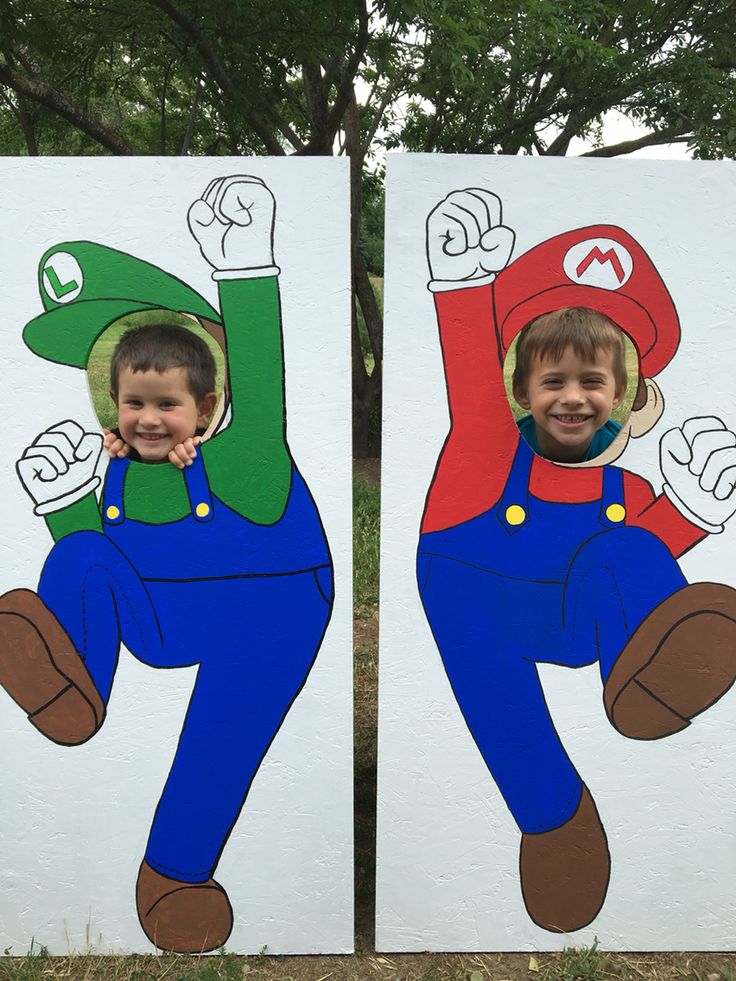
x,y
233,223
699,466
184,453
58,468
466,242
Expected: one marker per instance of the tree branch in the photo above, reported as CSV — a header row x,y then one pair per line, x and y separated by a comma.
x,y
673,134
388,95
187,142
40,91
345,87
218,72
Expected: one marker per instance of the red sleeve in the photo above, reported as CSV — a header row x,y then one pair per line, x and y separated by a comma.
x,y
658,515
476,458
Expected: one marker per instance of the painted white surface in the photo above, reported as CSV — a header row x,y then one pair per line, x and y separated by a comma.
x,y
74,822
447,845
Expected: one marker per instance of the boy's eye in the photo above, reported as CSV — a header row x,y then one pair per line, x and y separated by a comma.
x,y
552,382
133,403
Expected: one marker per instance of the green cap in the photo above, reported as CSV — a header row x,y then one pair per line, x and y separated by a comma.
x,y
85,287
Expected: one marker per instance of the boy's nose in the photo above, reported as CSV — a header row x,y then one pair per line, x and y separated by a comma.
x,y
149,417
573,395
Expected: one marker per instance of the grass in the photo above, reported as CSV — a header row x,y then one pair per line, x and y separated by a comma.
x,y
366,525
583,964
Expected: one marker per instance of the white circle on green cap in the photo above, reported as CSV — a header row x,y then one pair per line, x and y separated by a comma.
x,y
600,262
62,277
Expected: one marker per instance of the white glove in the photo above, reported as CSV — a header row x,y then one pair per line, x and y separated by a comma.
x,y
233,223
58,468
466,242
699,467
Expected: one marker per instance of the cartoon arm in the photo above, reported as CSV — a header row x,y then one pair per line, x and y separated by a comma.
x,y
233,223
58,472
699,466
466,246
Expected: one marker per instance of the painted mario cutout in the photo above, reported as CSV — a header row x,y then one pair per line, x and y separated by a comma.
x,y
523,561
223,565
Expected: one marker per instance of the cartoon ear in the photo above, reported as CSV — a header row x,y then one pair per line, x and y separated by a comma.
x,y
642,420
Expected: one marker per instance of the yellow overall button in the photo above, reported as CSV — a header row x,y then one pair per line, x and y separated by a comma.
x,y
202,510
615,512
515,514
112,512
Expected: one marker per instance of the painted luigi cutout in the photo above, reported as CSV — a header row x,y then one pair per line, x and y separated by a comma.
x,y
236,536
524,561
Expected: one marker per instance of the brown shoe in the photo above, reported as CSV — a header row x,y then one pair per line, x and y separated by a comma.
x,y
184,917
43,673
565,872
678,662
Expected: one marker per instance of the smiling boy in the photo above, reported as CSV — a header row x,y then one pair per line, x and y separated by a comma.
x,y
162,381
571,374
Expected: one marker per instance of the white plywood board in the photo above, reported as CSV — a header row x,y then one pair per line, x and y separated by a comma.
x,y
74,822
448,848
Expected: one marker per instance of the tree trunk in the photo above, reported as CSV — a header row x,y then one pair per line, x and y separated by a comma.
x,y
366,387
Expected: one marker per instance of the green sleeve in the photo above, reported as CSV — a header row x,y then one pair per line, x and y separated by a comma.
x,y
84,515
248,463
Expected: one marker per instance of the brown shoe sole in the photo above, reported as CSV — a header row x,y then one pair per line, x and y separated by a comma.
x,y
183,917
678,662
564,872
43,673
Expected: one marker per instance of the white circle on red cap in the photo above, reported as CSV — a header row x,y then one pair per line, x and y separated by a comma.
x,y
62,277
600,262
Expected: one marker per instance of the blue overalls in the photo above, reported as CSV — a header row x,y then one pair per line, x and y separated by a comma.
x,y
533,581
247,603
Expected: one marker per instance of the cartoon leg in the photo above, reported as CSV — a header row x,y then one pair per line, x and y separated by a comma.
x,y
251,671
564,861
59,647
667,649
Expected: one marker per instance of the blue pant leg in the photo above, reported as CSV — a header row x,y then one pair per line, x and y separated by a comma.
x,y
259,638
615,581
479,621
98,597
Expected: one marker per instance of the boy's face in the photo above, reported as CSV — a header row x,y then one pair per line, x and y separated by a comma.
x,y
569,400
158,411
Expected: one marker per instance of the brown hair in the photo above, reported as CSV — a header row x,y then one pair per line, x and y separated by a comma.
x,y
585,331
159,347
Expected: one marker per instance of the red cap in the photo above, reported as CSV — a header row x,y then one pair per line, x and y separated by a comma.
x,y
601,267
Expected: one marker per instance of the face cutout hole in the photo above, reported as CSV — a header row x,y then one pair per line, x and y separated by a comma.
x,y
561,430
98,364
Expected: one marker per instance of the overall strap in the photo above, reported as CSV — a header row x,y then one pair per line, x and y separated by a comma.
x,y
513,508
198,489
113,512
613,510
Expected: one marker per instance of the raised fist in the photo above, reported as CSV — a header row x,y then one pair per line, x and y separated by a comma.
x,y
699,466
233,223
466,241
58,468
